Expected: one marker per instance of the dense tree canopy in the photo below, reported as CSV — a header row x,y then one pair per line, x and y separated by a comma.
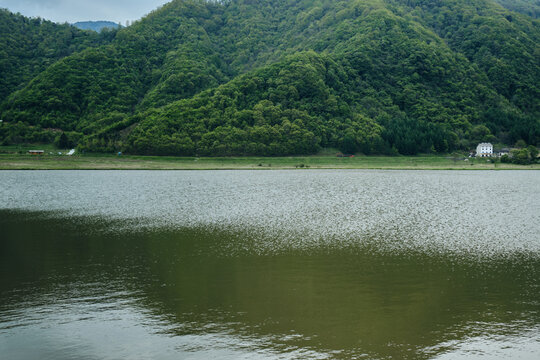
x,y
29,46
282,77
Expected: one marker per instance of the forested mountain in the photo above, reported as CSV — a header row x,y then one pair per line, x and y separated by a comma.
x,y
29,46
96,25
282,77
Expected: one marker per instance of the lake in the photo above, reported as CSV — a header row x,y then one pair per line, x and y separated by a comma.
x,y
270,264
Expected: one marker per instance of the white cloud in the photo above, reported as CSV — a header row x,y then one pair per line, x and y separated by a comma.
x,y
82,10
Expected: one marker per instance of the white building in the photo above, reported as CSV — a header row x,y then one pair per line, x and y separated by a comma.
x,y
484,150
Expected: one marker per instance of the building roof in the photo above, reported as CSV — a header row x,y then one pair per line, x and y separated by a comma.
x,y
485,144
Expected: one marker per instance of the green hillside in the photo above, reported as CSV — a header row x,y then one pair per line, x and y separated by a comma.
x,y
29,46
291,77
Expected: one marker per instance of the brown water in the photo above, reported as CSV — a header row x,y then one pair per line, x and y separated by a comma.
x,y
270,265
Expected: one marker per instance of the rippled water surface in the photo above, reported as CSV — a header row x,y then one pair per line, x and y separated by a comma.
x,y
270,265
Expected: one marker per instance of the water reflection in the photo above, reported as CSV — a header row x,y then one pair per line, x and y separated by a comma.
x,y
482,213
77,287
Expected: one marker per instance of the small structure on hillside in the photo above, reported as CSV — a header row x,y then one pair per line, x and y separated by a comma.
x,y
36,152
503,151
484,150
71,152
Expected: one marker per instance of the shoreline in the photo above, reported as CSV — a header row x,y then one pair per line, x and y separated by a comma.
x,y
321,162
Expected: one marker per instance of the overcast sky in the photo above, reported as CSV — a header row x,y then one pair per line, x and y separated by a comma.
x,y
82,10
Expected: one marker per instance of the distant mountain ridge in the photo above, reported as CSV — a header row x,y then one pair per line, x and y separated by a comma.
x,y
527,7
96,25
278,77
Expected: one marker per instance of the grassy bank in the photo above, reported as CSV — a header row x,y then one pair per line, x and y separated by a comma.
x,y
10,161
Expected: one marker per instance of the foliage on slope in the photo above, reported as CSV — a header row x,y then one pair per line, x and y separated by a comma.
x,y
29,46
81,91
414,76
